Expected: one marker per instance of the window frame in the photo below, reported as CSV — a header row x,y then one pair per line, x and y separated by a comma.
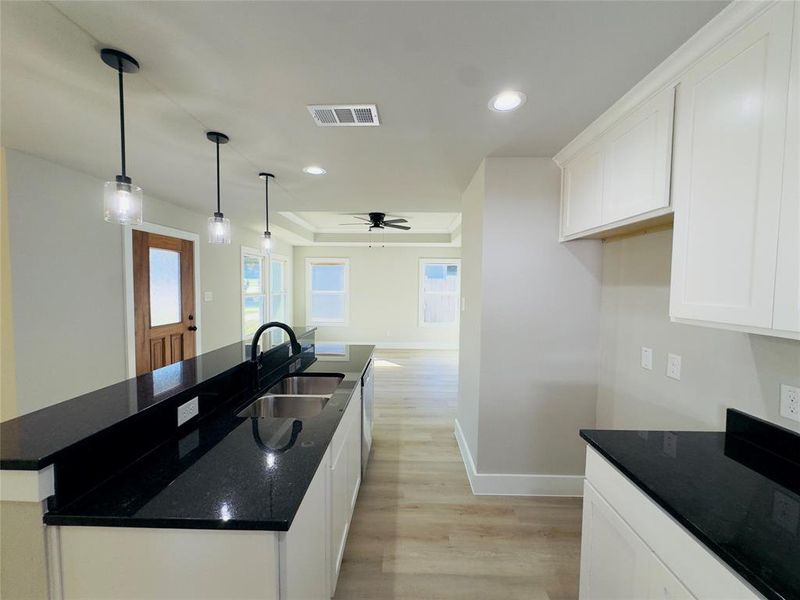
x,y
286,293
345,262
421,291
249,252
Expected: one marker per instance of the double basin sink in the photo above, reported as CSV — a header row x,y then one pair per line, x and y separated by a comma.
x,y
295,396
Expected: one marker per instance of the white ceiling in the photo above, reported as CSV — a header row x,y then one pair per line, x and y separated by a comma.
x,y
250,68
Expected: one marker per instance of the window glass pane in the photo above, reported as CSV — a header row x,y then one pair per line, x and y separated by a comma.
x,y
327,278
440,278
276,276
253,314
440,308
278,308
165,287
251,274
327,307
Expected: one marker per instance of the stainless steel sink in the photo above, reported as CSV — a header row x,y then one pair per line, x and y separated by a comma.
x,y
306,385
285,407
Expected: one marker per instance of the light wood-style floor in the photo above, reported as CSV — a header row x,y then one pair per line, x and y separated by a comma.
x,y
418,533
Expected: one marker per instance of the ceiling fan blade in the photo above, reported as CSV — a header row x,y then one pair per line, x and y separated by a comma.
x,y
403,227
352,224
361,218
396,221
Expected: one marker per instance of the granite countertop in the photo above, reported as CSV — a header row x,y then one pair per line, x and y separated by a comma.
x,y
32,442
224,474
739,499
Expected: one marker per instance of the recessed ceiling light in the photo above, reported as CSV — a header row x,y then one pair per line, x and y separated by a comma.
x,y
314,170
507,101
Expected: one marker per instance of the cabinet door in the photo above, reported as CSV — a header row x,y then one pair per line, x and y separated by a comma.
x,y
340,508
614,560
638,154
662,583
787,282
354,448
730,121
583,189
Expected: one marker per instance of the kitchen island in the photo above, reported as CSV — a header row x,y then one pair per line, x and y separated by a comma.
x,y
228,505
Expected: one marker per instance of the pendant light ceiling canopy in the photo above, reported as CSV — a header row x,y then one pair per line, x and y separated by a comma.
x,y
122,201
219,228
266,241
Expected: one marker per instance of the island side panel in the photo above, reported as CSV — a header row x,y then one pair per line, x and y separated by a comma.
x,y
119,562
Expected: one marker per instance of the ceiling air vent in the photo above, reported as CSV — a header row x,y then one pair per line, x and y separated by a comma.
x,y
345,115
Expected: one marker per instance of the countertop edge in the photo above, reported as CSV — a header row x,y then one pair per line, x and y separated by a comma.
x,y
737,567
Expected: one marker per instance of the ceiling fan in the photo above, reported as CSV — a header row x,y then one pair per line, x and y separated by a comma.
x,y
377,220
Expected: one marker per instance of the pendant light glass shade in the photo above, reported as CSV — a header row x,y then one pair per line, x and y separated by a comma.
x,y
122,203
266,242
219,229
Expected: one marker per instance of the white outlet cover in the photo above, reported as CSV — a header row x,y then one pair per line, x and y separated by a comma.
x,y
674,366
188,410
790,402
647,358
208,296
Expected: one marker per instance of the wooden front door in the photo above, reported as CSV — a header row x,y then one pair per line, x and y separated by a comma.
x,y
163,300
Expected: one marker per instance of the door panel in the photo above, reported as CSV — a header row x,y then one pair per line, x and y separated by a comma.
x,y
163,291
583,189
730,126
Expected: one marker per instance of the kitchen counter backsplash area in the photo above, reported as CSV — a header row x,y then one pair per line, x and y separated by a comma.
x,y
91,437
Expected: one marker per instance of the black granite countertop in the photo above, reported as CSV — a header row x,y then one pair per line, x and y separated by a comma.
x,y
225,474
32,441
738,498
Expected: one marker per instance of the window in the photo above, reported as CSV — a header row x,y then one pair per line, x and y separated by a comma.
x,y
439,290
278,290
327,282
254,293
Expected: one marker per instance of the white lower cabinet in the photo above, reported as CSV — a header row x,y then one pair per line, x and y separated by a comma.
x,y
345,480
616,563
631,549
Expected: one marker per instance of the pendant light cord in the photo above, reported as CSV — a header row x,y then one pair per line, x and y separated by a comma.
x,y
218,203
122,123
266,202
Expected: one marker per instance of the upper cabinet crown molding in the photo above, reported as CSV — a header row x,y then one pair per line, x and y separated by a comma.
x,y
727,22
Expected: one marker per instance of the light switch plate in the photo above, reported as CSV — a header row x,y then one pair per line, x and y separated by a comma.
x,y
188,410
647,358
208,296
674,366
790,402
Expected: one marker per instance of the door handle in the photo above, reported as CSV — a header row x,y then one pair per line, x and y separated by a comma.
x,y
192,328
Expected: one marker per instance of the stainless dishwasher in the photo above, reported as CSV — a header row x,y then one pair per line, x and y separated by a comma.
x,y
367,410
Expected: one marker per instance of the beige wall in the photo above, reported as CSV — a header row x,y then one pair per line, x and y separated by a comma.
x,y
469,343
719,369
68,294
539,309
8,379
384,288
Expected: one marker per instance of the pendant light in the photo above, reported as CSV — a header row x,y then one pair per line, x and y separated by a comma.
x,y
122,201
219,228
266,241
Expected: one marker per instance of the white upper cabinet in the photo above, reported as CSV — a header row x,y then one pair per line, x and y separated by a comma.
x,y
582,192
728,177
623,176
638,153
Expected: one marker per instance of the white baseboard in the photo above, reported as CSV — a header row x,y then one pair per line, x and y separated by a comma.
x,y
515,484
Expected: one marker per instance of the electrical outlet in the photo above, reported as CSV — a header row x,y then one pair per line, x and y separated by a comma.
x,y
208,296
670,444
647,358
674,366
790,402
188,410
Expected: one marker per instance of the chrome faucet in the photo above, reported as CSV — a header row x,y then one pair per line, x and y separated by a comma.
x,y
296,349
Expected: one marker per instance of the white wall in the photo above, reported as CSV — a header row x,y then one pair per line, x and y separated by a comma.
x,y
539,304
719,369
68,290
384,288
